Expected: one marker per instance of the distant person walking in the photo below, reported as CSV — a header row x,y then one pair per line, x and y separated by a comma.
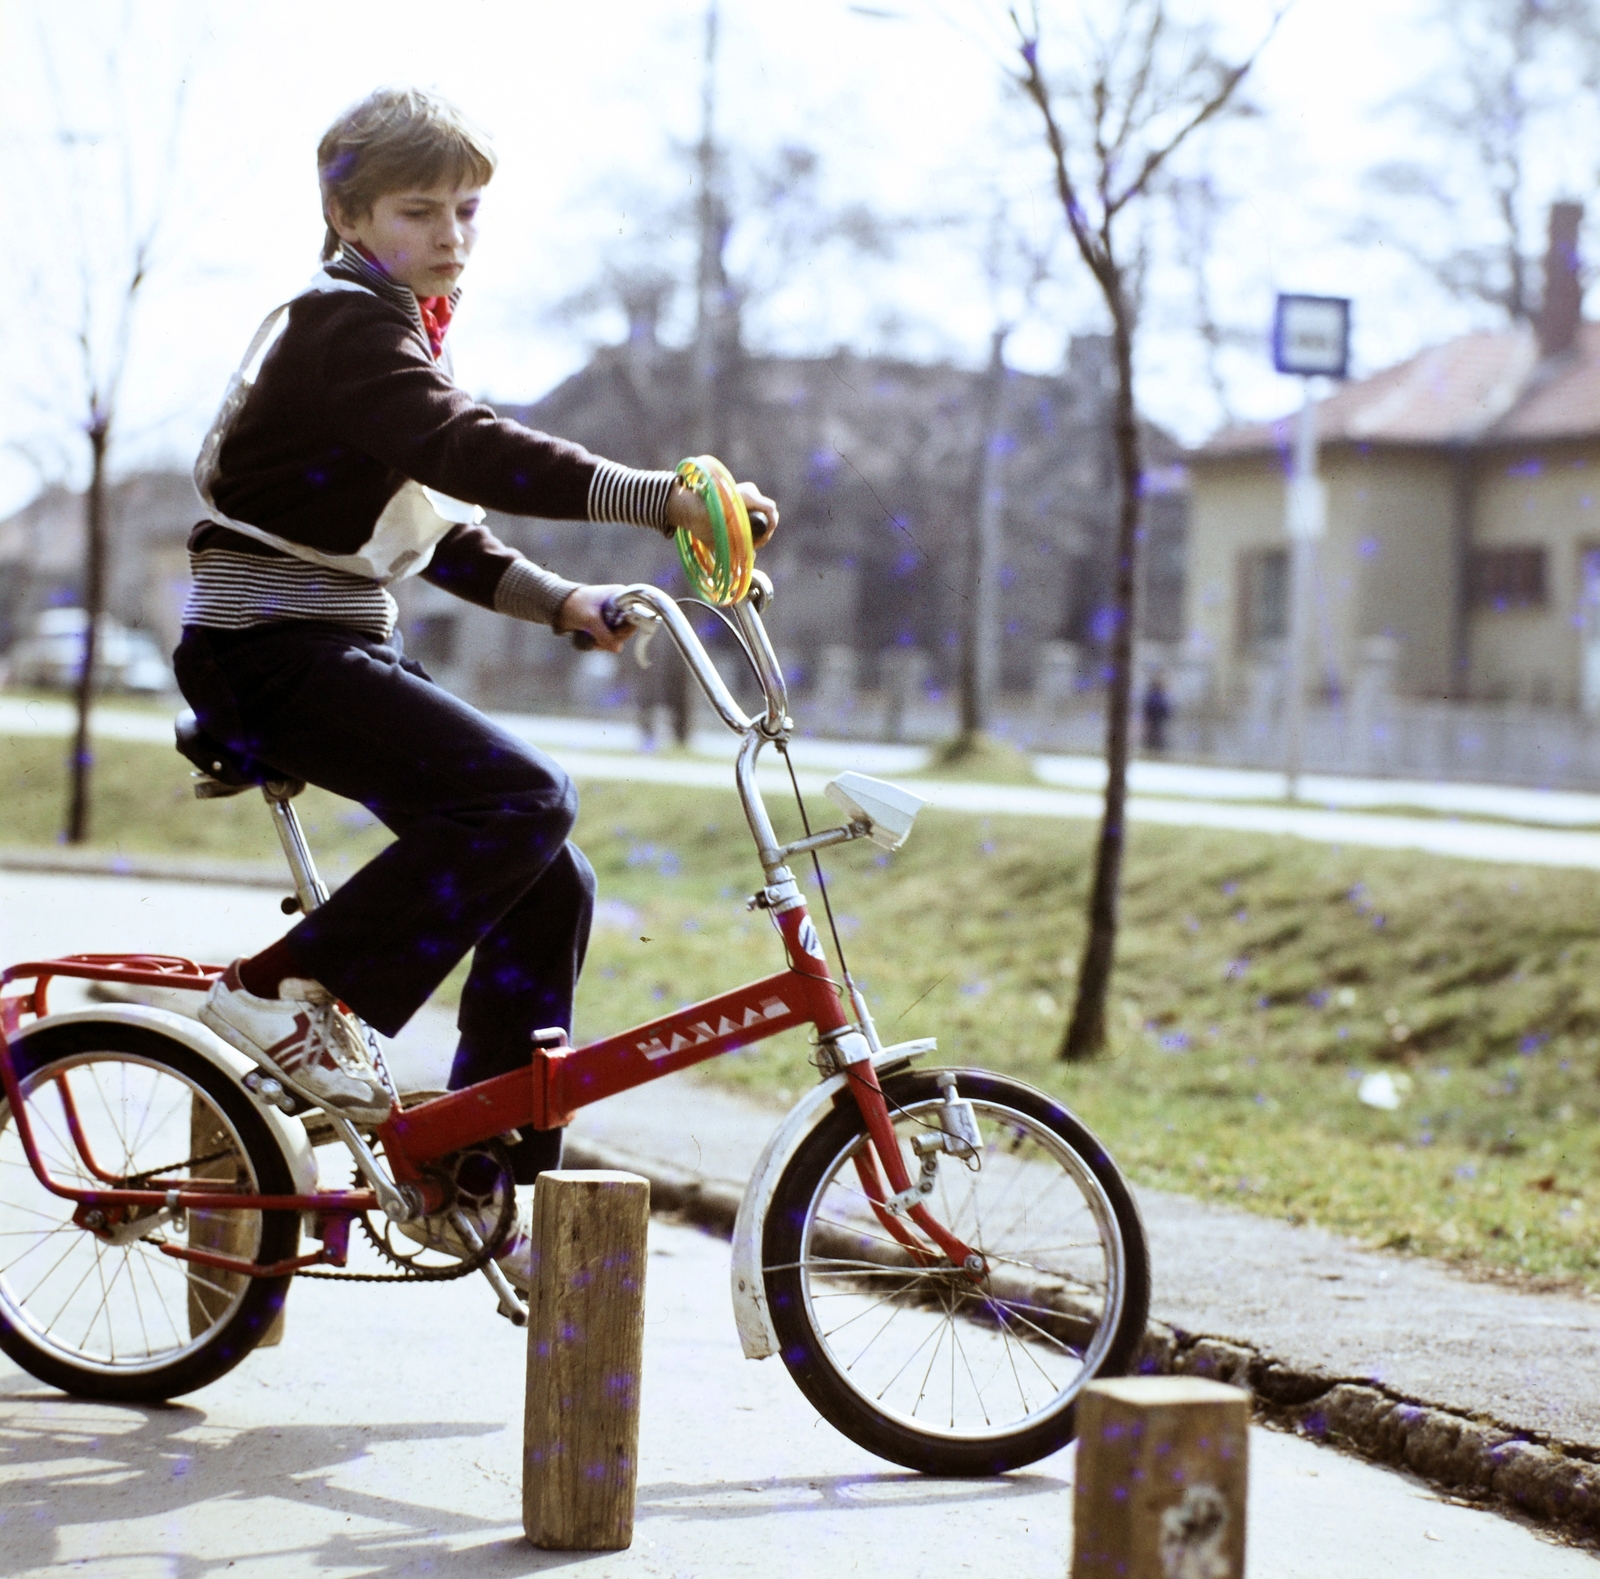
x,y
1156,710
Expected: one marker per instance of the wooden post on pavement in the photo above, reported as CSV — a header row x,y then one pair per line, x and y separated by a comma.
x,y
580,1454
222,1233
1162,1475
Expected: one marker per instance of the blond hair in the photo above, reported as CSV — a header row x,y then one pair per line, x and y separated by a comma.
x,y
395,139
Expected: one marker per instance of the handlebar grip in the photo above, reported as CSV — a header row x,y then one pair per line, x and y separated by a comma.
x,y
616,618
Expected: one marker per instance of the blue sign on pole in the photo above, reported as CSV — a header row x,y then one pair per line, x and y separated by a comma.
x,y
1311,336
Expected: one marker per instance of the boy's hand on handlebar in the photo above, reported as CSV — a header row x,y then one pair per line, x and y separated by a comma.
x,y
688,509
582,613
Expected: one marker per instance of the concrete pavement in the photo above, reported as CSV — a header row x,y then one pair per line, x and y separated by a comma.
x,y
1463,1381
383,1438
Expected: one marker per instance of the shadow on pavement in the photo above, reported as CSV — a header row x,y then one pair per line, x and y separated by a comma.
x,y
720,1499
76,1462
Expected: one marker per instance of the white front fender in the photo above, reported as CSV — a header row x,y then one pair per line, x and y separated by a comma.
x,y
289,1133
757,1336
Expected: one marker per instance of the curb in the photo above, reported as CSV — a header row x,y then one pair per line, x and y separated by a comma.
x,y
150,868
1548,1482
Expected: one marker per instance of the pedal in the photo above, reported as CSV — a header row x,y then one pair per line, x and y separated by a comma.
x,y
271,1093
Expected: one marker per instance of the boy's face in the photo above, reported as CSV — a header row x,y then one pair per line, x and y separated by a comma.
x,y
421,238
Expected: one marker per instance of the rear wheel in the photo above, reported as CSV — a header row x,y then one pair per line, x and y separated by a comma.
x,y
109,1315
918,1361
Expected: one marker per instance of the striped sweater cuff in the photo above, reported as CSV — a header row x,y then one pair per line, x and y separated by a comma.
x,y
530,592
635,498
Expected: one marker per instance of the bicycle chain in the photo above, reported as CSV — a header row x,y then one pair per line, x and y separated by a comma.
x,y
445,1274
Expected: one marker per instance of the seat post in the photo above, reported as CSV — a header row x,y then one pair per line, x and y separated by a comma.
x,y
308,886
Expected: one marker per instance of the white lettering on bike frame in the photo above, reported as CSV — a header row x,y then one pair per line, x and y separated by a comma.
x,y
702,1031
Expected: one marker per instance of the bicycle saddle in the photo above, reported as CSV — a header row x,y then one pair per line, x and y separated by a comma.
x,y
227,772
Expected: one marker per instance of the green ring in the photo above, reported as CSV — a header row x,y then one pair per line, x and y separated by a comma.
x,y
721,582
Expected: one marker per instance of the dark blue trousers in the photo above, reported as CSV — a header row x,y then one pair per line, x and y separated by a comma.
x,y
481,860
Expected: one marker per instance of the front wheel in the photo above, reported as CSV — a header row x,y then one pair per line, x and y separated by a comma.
x,y
917,1360
107,1314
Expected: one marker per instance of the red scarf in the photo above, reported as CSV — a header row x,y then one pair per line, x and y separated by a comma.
x,y
436,311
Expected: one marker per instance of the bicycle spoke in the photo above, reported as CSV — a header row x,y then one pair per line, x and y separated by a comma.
x,y
1033,1359
922,1391
861,1353
1012,1310
68,1157
105,1295
1011,1360
40,1241
179,1339
876,1303
75,1244
907,1361
862,1232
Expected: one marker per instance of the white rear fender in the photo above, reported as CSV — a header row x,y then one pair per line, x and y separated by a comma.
x,y
289,1133
757,1336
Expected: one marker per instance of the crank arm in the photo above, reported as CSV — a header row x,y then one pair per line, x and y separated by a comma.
x,y
511,1307
401,1203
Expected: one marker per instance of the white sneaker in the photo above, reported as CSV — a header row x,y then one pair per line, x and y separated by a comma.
x,y
304,1039
516,1255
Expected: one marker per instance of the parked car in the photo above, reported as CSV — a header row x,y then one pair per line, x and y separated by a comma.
x,y
50,655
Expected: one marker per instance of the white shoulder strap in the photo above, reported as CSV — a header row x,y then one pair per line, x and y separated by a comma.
x,y
414,520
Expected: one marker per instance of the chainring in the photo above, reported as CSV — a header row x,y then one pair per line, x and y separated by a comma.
x,y
380,1231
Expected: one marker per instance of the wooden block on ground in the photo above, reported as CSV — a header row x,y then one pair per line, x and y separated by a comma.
x,y
222,1233
580,1457
1163,1467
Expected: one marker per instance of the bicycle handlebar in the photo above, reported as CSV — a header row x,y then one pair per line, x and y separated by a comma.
x,y
642,602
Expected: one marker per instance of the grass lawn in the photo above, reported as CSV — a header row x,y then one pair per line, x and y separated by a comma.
x,y
1260,978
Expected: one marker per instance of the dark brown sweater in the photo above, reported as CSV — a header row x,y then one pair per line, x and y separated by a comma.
x,y
348,405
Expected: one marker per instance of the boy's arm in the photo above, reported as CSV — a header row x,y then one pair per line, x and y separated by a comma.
x,y
385,396
474,564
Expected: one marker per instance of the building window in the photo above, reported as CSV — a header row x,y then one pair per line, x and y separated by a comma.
x,y
1507,578
1263,596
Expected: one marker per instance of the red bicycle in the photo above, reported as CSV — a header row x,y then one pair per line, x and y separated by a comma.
x,y
943,1257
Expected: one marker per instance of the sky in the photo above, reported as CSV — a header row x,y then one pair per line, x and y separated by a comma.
x,y
591,108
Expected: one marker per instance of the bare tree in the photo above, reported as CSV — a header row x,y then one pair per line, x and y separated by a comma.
x,y
1015,266
1518,73
1198,209
109,192
1143,86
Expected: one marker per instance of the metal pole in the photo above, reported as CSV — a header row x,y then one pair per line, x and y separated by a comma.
x,y
1302,525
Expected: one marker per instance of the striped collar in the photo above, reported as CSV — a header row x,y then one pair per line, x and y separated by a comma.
x,y
351,265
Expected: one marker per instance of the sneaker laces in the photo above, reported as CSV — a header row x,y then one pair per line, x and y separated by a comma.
x,y
329,1041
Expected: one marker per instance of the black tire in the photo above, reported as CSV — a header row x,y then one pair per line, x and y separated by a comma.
x,y
150,1326
857,1318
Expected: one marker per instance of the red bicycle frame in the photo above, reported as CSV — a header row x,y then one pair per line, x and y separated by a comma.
x,y
559,1080
556,1084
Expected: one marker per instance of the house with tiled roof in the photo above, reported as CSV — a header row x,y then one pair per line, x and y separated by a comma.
x,y
1461,559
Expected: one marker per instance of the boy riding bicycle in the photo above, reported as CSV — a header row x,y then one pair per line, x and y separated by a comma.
x,y
352,462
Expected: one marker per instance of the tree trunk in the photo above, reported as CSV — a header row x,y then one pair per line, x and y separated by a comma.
x,y
980,635
94,597
1086,1032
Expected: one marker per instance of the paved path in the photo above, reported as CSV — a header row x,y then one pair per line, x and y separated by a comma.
x,y
1299,1296
295,1465
1168,794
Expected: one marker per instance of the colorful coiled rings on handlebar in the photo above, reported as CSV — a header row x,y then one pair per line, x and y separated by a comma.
x,y
719,571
